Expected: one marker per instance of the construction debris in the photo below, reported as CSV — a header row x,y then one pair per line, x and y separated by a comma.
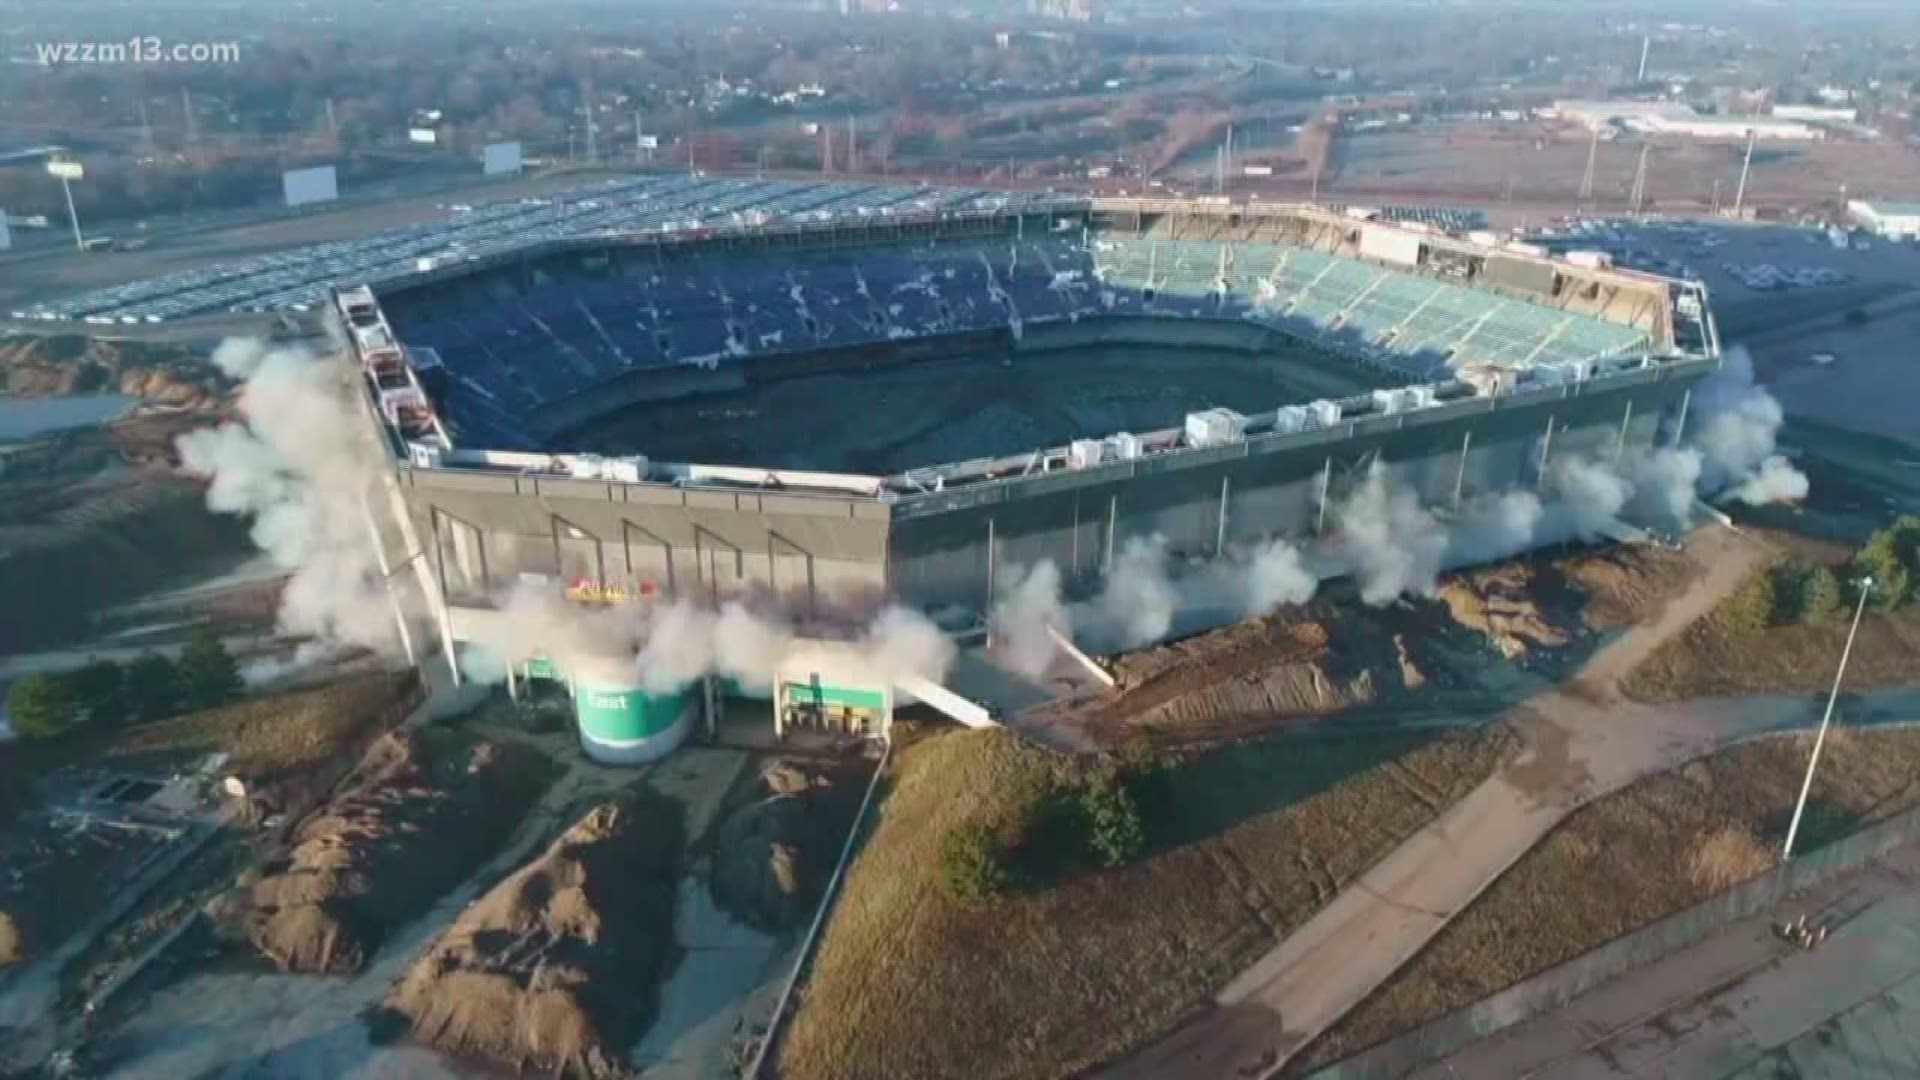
x,y
1500,602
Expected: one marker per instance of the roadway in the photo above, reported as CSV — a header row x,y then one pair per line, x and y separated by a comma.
x,y
1745,1004
1582,741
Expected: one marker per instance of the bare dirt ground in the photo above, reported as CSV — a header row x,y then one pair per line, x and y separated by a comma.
x,y
555,968
1582,740
420,812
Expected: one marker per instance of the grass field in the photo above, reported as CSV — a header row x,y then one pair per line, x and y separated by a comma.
x,y
1694,832
1716,657
1246,843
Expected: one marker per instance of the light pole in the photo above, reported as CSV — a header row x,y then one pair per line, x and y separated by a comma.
x,y
1799,808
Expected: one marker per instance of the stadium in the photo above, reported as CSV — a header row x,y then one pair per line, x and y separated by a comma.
x,y
834,407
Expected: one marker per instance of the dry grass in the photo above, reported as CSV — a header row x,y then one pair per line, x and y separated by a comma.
x,y
1726,857
1634,857
1249,841
1715,657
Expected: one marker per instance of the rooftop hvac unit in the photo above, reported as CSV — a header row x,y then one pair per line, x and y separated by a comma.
x,y
1085,453
1397,400
1215,427
1322,413
1289,419
1421,396
423,455
1484,238
624,470
1124,446
1592,260
585,466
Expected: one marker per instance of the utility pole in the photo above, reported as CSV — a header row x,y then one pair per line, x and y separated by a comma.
x,y
1646,42
1793,828
586,106
1716,196
1586,180
853,148
333,122
1640,179
1746,167
146,125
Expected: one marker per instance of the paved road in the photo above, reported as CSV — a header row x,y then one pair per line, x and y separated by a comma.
x,y
1583,741
1744,1004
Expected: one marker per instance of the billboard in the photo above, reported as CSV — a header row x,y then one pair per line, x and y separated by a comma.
x,y
500,158
6,237
303,186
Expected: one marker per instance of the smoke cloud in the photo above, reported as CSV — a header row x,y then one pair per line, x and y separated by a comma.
x,y
1394,546
298,464
1736,434
1136,604
1026,615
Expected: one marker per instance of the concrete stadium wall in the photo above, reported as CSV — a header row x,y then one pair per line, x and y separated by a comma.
x,y
484,529
1553,988
952,547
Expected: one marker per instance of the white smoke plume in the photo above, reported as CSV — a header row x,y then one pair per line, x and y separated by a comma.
x,y
1136,602
1589,496
1025,617
900,642
1739,422
1393,545
1273,575
1775,481
1494,527
1665,485
299,465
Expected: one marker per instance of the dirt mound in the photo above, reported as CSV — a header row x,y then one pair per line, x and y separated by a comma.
x,y
416,817
1628,584
161,374
12,949
772,856
1411,677
1227,684
1499,603
554,970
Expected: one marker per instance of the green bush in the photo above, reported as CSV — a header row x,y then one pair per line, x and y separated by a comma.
x,y
1753,607
100,691
1823,600
209,676
1892,557
153,688
1115,830
973,864
41,707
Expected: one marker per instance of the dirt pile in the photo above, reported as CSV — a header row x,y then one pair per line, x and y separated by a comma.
x,y
1628,584
12,949
413,821
159,374
772,856
555,970
1499,602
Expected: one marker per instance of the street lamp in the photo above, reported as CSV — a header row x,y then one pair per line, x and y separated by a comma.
x,y
1793,828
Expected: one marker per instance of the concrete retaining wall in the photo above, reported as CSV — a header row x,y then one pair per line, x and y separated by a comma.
x,y
1553,988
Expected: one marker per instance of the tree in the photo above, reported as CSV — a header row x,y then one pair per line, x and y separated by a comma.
x,y
209,677
1822,599
973,864
100,691
1752,608
153,688
1116,832
41,706
1892,557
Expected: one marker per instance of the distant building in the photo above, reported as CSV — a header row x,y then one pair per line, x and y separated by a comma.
x,y
1678,118
1893,220
1818,114
1071,10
